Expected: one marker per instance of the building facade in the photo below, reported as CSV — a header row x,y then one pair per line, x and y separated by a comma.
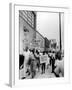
x,y
27,26
53,44
40,40
28,35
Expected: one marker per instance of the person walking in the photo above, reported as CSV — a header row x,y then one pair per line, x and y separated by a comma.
x,y
53,64
42,61
37,57
48,60
32,64
26,54
59,63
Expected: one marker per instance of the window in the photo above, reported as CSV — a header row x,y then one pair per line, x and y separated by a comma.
x,y
28,16
32,20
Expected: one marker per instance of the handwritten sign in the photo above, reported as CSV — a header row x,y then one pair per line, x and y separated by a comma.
x,y
43,59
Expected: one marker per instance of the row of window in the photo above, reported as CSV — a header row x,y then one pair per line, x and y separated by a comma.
x,y
28,16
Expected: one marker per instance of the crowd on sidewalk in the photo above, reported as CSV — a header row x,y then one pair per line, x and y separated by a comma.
x,y
36,61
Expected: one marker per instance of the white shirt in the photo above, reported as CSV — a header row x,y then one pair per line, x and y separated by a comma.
x,y
59,67
26,55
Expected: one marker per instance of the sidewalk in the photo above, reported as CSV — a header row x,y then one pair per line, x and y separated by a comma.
x,y
47,74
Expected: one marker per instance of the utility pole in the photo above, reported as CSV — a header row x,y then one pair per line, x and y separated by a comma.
x,y
60,29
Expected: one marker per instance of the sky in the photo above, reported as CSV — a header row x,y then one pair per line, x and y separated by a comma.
x,y
48,25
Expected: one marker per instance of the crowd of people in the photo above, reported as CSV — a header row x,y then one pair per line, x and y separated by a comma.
x,y
36,61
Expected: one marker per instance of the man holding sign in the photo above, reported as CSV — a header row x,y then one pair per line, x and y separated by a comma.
x,y
43,60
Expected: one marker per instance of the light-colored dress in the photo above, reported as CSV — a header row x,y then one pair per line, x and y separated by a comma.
x,y
59,70
26,55
48,60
